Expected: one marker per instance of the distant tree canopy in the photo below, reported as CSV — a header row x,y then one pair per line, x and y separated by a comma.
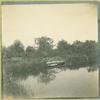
x,y
45,48
63,45
44,43
15,50
63,48
30,51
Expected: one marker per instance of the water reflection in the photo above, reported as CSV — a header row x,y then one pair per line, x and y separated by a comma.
x,y
44,74
47,77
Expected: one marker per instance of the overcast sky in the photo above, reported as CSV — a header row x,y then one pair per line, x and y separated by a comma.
x,y
57,21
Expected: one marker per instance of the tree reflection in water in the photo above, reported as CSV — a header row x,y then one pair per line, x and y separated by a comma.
x,y
15,71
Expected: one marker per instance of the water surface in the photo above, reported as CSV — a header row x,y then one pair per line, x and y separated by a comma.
x,y
62,83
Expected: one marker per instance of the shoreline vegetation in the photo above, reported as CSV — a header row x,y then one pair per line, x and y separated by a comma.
x,y
19,62
76,54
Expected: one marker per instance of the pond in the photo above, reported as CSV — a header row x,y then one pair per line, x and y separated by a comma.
x,y
56,82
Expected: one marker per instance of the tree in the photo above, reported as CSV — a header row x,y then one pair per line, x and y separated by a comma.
x,y
64,48
15,50
44,46
90,47
77,47
30,51
90,50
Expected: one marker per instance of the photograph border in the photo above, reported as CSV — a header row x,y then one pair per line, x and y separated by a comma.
x,y
26,2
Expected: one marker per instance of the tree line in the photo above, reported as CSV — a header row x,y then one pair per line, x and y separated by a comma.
x,y
44,47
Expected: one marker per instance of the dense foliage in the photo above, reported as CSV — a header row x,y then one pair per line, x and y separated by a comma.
x,y
83,52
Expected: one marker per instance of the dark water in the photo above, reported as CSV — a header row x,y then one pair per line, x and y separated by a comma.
x,y
52,82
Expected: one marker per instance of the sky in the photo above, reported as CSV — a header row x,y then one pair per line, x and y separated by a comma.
x,y
58,21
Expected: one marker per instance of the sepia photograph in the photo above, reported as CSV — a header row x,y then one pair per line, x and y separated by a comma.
x,y
50,50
